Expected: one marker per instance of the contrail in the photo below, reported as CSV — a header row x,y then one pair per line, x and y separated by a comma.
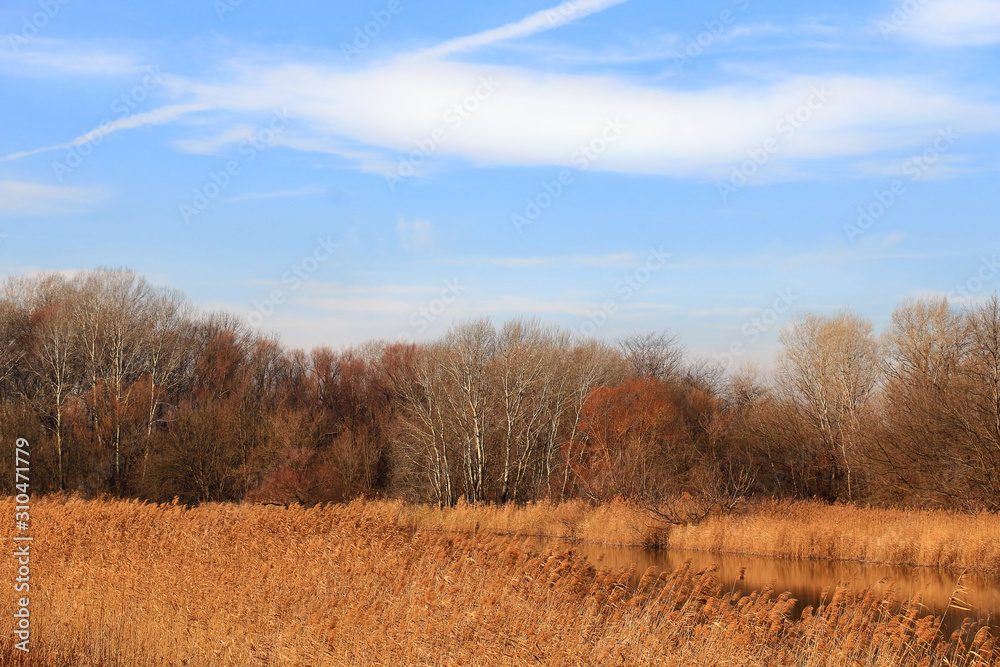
x,y
156,116
547,19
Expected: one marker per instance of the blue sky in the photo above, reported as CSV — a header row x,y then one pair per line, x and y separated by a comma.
x,y
343,171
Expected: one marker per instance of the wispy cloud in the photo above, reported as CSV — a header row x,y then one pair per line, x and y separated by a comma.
x,y
663,47
955,22
621,259
25,198
212,145
372,115
545,118
320,288
945,167
547,19
469,306
876,249
299,192
166,114
415,235
47,57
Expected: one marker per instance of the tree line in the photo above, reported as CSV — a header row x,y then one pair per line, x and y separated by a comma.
x,y
124,388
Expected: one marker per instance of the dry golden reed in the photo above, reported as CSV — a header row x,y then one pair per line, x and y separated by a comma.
x,y
773,529
118,583
930,538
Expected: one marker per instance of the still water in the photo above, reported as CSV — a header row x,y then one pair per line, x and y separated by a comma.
x,y
805,579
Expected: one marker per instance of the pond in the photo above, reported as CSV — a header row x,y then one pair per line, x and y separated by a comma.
x,y
806,579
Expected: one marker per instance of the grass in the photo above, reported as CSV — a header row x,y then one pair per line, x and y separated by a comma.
x,y
118,583
774,529
843,532
618,522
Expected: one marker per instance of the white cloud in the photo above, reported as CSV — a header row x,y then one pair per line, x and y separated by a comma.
x,y
468,305
663,47
538,118
24,198
415,235
362,158
43,57
955,22
547,19
320,288
943,167
211,145
621,259
299,192
374,115
166,114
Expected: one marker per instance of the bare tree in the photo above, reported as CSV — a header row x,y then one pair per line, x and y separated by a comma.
x,y
982,390
533,385
128,335
926,342
14,332
590,364
656,355
470,349
426,452
167,320
122,296
921,446
54,361
829,367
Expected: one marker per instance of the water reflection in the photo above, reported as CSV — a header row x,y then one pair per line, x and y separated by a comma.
x,y
805,580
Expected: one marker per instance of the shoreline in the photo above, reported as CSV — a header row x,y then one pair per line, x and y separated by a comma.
x,y
788,530
124,583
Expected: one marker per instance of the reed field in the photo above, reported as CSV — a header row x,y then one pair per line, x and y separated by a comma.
x,y
132,584
774,529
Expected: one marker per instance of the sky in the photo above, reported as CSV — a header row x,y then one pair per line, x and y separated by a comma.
x,y
338,172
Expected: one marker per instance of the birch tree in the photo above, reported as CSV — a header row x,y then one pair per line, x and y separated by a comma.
x,y
54,362
830,366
